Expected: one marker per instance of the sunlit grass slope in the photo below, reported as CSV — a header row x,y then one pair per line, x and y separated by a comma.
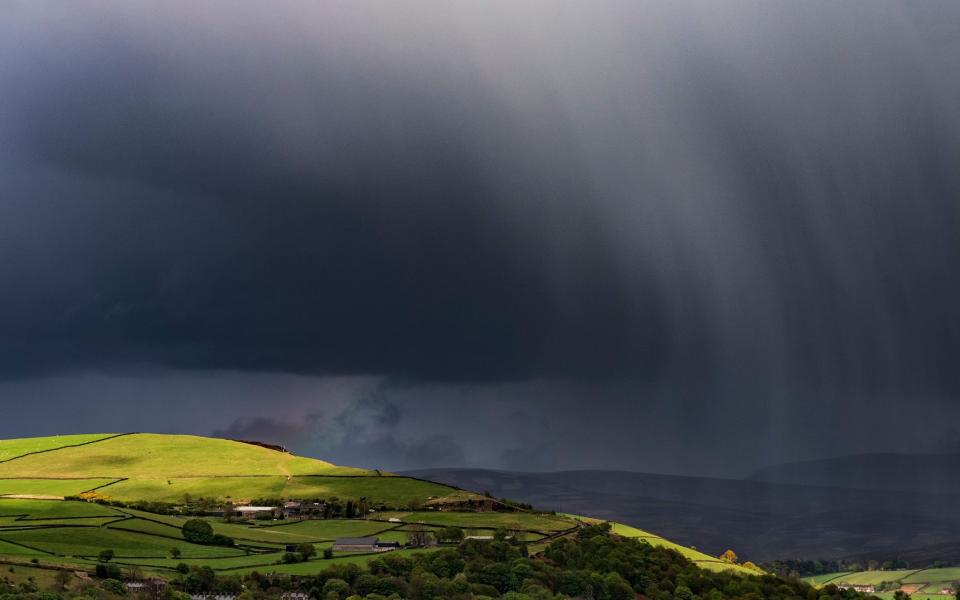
x,y
165,468
704,561
13,448
152,456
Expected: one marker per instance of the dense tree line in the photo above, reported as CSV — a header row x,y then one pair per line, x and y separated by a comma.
x,y
593,564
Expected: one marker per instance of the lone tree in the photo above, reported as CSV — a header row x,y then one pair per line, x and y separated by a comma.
x,y
105,556
174,552
729,556
197,531
306,550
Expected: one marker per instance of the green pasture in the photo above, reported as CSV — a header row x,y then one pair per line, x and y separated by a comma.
x,y
20,523
155,456
872,577
173,489
89,541
933,579
328,529
946,576
167,525
14,448
523,521
6,548
217,564
276,532
53,509
49,487
826,577
393,491
318,564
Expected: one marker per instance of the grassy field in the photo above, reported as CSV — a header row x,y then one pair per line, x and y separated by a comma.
x,y
821,579
328,530
22,523
89,541
932,580
53,509
946,576
7,548
217,564
13,448
397,491
316,565
145,466
872,577
154,456
272,532
522,521
152,467
49,487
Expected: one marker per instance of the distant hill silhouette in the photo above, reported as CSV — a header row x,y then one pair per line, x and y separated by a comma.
x,y
906,472
760,520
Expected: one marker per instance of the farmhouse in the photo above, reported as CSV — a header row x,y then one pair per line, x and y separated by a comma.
x,y
363,544
865,589
253,511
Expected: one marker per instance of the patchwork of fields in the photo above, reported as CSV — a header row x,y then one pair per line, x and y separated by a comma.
x,y
919,582
165,468
40,527
74,532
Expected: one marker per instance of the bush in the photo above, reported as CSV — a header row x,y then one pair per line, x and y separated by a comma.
x,y
197,531
114,586
306,551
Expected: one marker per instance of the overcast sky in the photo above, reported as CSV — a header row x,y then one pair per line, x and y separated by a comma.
x,y
677,236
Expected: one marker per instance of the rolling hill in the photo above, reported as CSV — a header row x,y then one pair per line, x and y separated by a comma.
x,y
938,473
144,466
42,522
760,520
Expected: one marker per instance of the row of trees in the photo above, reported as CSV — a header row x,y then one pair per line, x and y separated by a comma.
x,y
594,564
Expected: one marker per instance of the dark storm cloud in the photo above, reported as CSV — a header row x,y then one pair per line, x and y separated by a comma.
x,y
303,209
703,208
